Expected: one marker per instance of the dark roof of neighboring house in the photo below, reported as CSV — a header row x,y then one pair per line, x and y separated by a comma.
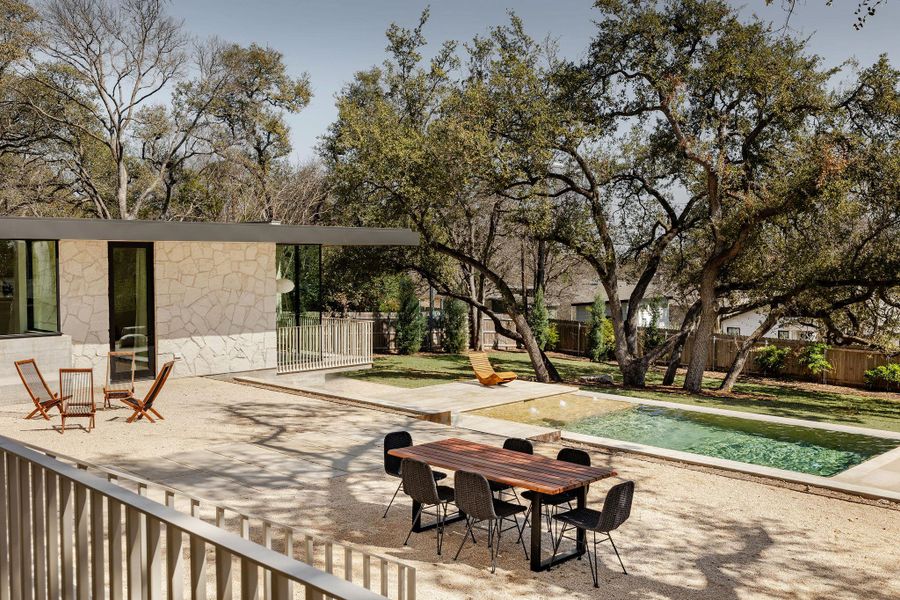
x,y
625,290
24,228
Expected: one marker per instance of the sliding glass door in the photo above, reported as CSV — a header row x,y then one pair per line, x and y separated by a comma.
x,y
131,305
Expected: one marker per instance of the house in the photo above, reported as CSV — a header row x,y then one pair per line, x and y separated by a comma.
x,y
207,294
654,299
746,323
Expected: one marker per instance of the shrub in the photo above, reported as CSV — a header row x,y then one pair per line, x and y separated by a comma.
x,y
771,358
813,358
410,322
600,337
552,337
653,337
539,319
884,376
454,323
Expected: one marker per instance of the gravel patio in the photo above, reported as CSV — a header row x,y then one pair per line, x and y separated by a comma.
x,y
317,465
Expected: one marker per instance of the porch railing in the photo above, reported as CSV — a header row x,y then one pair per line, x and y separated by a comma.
x,y
62,536
323,343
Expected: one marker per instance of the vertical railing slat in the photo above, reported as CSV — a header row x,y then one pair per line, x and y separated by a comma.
x,y
66,537
249,580
4,529
52,513
98,575
223,574
114,531
154,559
137,587
15,542
24,525
198,568
39,539
82,566
174,563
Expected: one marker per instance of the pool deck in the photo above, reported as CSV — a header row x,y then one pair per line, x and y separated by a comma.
x,y
439,403
453,403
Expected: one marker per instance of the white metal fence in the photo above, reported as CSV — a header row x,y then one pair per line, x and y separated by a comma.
x,y
62,536
323,343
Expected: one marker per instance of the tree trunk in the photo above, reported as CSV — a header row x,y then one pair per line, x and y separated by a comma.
x,y
674,362
634,372
538,359
122,190
693,380
744,351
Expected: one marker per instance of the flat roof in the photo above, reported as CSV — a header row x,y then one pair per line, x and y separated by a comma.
x,y
116,230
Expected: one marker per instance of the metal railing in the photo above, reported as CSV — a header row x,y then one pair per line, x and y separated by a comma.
x,y
323,343
62,536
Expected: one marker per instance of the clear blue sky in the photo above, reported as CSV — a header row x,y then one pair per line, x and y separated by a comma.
x,y
331,40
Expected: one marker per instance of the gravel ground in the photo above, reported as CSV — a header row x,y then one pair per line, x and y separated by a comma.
x,y
693,533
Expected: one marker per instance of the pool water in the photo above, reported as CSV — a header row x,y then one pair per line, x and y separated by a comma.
x,y
803,449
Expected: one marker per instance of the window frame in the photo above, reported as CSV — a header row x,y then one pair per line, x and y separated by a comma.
x,y
29,291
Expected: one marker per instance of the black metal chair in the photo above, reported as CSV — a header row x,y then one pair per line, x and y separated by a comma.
x,y
392,464
475,499
616,510
419,484
551,503
516,445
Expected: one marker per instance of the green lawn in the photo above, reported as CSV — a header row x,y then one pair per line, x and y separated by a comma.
x,y
785,399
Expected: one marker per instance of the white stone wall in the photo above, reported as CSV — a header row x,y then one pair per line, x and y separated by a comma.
x,y
51,352
215,306
84,302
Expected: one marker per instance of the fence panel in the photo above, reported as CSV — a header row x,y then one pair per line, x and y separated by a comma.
x,y
323,343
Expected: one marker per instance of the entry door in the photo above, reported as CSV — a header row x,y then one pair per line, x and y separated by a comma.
x,y
131,307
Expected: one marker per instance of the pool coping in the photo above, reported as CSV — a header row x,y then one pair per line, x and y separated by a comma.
x,y
794,477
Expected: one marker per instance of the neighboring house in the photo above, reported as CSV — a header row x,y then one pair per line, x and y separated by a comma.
x,y
747,322
581,307
207,294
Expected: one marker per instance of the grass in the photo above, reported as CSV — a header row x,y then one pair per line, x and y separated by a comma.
x,y
831,404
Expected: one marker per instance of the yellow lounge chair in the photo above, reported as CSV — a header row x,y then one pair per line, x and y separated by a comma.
x,y
485,372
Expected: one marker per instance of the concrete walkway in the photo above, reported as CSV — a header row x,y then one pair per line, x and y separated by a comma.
x,y
439,403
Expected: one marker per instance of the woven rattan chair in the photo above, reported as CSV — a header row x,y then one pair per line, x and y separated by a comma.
x,y
475,499
43,397
551,503
77,389
117,390
419,484
143,408
393,465
516,445
616,510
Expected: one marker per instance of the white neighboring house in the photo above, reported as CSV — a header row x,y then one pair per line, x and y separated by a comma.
x,y
747,322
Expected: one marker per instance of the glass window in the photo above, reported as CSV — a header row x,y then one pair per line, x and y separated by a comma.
x,y
28,287
733,330
299,282
784,334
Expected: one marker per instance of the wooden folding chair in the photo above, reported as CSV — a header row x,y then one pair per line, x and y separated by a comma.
x,y
485,372
143,408
116,390
43,397
77,387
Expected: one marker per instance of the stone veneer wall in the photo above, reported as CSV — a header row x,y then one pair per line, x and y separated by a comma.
x,y
215,306
84,302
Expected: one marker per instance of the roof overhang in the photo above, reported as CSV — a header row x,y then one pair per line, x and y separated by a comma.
x,y
24,228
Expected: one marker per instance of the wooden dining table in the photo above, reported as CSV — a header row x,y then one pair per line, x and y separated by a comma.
x,y
543,476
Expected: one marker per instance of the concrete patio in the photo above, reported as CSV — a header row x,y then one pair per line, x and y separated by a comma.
x,y
317,465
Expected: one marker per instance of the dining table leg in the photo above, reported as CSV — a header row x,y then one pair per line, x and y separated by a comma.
x,y
537,525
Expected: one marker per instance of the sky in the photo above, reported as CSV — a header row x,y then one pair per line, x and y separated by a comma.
x,y
333,39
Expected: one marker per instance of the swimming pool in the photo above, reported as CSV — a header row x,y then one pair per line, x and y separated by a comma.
x,y
803,449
